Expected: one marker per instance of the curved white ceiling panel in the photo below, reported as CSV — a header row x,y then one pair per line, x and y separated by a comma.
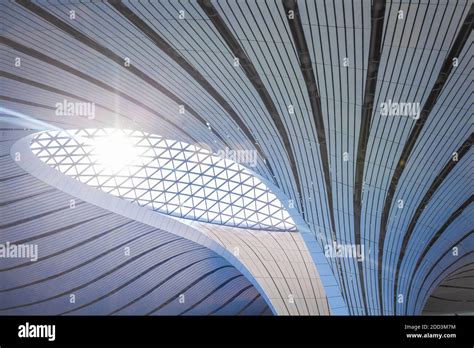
x,y
287,268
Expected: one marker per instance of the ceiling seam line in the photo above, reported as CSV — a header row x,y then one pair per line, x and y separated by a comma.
x,y
373,63
253,76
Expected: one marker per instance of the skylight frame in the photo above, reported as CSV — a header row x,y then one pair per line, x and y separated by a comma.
x,y
194,169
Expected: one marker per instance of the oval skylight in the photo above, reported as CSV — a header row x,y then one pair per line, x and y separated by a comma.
x,y
168,176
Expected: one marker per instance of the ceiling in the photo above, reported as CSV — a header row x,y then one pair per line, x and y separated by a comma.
x,y
300,82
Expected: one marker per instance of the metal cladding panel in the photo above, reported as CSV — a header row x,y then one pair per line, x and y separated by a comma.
x,y
355,176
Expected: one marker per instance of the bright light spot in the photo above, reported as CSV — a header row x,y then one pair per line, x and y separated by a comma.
x,y
114,151
170,177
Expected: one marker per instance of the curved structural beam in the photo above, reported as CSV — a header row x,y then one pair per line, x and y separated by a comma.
x,y
76,34
25,102
176,56
457,47
465,147
71,95
56,63
254,78
278,296
81,251
275,259
301,45
454,295
436,279
433,240
336,302
375,52
306,67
